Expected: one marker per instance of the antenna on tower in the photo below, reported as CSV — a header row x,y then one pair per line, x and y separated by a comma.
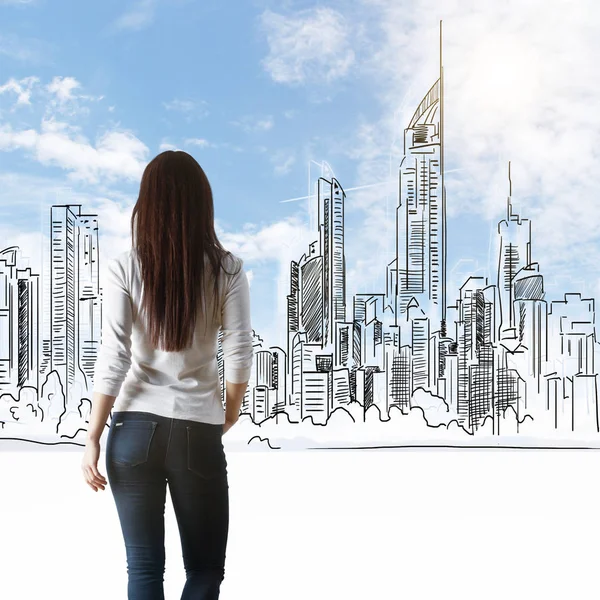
x,y
508,200
440,46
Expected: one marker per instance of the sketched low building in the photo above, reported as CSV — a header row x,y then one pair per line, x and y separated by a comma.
x,y
481,384
371,388
368,320
269,392
399,363
279,378
475,388
583,392
510,390
262,403
531,319
246,407
571,335
317,391
341,388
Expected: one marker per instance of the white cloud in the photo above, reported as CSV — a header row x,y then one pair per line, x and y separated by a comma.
x,y
140,15
202,143
22,88
116,154
167,146
269,242
188,108
62,88
181,105
312,45
63,98
255,124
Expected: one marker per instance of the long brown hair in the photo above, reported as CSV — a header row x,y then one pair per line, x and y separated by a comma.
x,y
172,230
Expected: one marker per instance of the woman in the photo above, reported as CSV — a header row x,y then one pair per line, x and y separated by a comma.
x,y
164,303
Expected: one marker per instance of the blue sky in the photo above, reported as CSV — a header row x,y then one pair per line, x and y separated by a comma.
x,y
90,92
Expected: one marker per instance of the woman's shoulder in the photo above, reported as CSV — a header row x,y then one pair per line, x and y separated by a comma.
x,y
232,262
126,258
126,262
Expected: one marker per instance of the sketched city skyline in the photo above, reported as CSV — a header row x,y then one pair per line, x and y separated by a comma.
x,y
491,359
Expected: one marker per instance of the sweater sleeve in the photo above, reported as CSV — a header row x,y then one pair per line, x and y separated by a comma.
x,y
237,330
114,357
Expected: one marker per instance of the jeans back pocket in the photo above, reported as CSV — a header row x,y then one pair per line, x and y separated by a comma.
x,y
205,454
130,442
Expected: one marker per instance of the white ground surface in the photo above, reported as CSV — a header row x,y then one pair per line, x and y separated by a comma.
x,y
319,525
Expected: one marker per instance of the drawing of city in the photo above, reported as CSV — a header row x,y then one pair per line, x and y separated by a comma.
x,y
493,363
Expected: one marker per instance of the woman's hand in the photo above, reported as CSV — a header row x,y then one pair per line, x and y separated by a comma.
x,y
89,465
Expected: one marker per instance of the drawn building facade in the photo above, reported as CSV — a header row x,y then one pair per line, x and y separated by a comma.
x,y
418,272
75,305
19,324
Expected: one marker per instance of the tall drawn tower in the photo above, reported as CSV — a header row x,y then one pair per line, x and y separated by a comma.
x,y
419,269
331,199
514,253
75,309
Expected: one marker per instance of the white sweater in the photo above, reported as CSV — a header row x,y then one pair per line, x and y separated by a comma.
x,y
182,385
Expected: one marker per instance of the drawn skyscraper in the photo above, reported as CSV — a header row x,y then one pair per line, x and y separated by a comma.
x,y
293,310
514,254
317,299
419,269
331,199
316,304
311,301
19,319
75,313
88,294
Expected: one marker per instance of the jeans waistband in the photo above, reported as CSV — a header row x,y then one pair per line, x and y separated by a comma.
x,y
136,415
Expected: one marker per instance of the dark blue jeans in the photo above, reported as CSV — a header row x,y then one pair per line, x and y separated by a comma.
x,y
144,453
